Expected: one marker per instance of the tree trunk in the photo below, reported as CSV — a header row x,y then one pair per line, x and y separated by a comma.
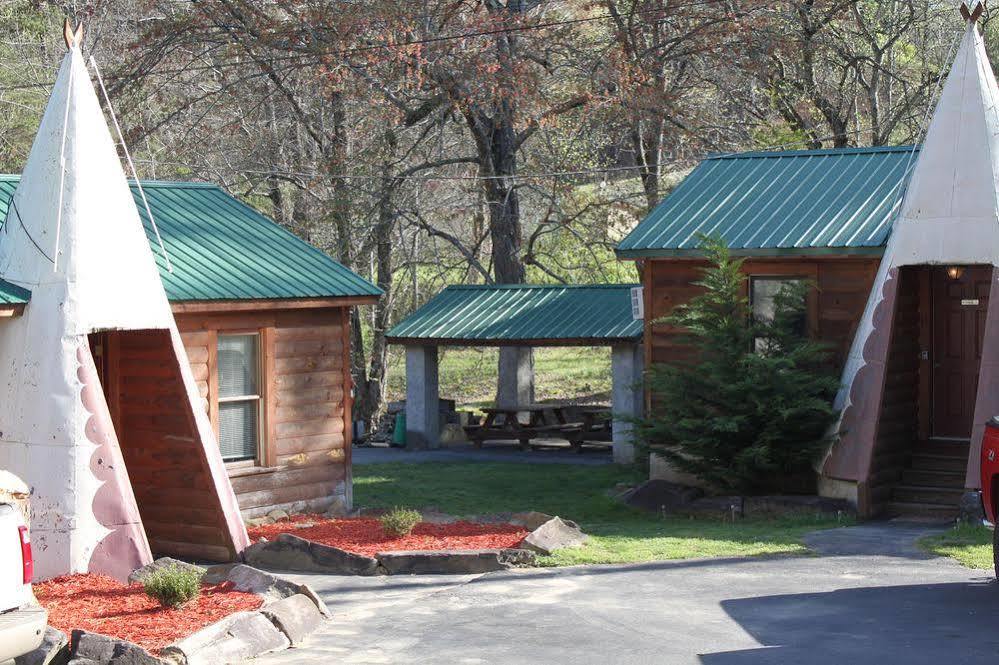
x,y
371,394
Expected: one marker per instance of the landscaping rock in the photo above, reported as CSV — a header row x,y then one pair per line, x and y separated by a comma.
x,y
661,496
716,507
277,515
218,573
290,552
530,520
52,651
295,616
271,587
109,650
970,508
518,557
233,639
164,562
258,521
338,508
779,505
453,562
553,535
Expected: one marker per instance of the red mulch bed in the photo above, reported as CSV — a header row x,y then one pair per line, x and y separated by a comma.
x,y
104,605
365,535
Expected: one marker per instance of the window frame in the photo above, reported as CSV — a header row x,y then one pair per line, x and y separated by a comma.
x,y
260,397
810,323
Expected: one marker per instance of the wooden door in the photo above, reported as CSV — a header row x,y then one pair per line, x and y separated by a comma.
x,y
960,303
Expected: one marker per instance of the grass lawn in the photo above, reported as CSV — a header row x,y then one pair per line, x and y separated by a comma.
x,y
468,375
969,544
618,533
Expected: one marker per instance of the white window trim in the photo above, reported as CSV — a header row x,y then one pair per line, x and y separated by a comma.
x,y
258,398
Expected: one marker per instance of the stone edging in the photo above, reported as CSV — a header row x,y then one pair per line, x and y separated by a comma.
x,y
289,552
289,614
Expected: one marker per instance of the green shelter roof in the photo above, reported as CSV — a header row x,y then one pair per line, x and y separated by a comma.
x,y
223,249
12,294
527,315
839,201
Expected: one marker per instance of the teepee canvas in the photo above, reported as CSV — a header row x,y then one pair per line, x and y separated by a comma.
x,y
949,217
99,412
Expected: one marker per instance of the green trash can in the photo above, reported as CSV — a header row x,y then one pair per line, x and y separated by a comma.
x,y
399,431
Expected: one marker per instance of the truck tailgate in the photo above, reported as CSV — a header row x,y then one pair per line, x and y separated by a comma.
x,y
12,587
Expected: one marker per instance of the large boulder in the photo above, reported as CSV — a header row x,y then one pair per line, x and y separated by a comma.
x,y
139,574
530,520
108,650
232,640
290,552
295,616
52,651
272,588
454,562
553,535
661,496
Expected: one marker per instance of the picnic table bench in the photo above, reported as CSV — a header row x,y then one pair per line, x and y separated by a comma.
x,y
588,424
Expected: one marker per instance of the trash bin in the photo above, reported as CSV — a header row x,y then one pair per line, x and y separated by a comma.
x,y
399,431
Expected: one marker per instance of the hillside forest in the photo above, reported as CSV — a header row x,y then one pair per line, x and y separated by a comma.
x,y
430,142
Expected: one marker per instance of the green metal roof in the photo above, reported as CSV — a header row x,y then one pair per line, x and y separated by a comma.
x,y
12,294
776,203
223,249
512,314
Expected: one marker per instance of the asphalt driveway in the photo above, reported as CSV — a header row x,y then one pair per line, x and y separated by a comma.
x,y
869,596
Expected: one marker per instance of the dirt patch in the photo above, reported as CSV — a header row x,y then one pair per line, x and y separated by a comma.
x,y
104,605
366,536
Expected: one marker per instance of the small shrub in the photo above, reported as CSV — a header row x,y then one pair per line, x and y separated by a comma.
x,y
400,522
173,586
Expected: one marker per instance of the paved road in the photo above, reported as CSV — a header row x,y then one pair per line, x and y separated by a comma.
x,y
869,597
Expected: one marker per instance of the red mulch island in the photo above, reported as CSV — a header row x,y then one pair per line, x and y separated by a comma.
x,y
366,536
100,604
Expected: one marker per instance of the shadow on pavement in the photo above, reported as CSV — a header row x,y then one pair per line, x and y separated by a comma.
x,y
914,624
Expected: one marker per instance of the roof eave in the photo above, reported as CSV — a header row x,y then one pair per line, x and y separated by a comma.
x,y
567,341
261,304
754,252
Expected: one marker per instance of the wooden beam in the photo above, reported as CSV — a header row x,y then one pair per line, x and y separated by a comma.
x,y
202,306
10,311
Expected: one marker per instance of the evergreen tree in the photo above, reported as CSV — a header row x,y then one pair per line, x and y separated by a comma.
x,y
750,409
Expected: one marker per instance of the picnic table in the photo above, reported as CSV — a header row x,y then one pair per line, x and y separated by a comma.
x,y
575,423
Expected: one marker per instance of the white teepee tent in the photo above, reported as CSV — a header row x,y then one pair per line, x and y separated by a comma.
x,y
74,239
949,216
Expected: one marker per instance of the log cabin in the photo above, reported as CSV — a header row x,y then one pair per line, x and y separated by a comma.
x,y
826,216
264,318
901,247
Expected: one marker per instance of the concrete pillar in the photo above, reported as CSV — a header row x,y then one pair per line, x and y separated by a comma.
x,y
423,421
516,376
627,397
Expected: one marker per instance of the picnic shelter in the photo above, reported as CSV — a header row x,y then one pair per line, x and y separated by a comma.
x,y
523,316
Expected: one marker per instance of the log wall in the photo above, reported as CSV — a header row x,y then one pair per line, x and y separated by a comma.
x,y
835,305
304,459
159,443
898,423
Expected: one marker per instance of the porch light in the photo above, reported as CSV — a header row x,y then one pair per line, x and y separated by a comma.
x,y
955,272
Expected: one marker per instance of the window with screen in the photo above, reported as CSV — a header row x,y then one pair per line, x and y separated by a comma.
x,y
239,397
762,294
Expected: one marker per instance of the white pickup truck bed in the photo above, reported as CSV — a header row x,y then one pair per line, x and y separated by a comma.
x,y
22,620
